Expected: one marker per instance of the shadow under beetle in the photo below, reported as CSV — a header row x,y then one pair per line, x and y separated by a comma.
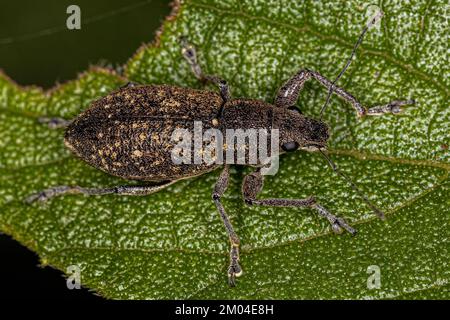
x,y
128,134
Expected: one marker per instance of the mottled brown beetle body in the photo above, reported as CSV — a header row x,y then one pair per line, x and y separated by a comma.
x,y
128,133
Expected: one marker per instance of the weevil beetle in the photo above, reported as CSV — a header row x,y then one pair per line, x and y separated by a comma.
x,y
128,134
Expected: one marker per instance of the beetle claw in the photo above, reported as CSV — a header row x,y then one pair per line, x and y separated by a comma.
x,y
44,195
234,271
342,224
38,196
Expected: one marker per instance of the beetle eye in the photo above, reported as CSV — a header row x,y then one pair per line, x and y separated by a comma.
x,y
290,146
295,109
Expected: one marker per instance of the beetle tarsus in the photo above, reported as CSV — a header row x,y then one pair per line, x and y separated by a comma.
x,y
54,123
190,54
394,107
46,194
337,224
234,269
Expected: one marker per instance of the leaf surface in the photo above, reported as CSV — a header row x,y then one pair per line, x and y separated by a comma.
x,y
172,244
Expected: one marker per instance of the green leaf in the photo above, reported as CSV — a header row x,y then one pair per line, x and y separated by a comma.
x,y
172,244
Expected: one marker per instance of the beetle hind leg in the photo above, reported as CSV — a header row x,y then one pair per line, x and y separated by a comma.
x,y
54,123
50,193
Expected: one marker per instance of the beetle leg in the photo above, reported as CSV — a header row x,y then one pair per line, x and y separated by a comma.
x,y
190,55
392,107
47,194
234,269
129,84
287,95
54,123
253,184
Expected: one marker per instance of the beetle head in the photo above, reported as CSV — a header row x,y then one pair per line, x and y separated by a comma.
x,y
300,132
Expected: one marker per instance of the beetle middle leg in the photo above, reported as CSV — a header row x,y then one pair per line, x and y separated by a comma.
x,y
287,95
49,193
190,55
234,270
253,184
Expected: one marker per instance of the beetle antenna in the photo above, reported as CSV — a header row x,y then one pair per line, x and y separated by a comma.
x,y
370,24
333,166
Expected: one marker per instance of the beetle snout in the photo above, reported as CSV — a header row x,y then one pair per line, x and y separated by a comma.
x,y
318,133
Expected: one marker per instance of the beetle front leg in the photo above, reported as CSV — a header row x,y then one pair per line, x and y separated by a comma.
x,y
288,94
253,184
392,107
49,193
234,270
190,55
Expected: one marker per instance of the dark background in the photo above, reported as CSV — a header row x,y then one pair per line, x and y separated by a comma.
x,y
37,48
